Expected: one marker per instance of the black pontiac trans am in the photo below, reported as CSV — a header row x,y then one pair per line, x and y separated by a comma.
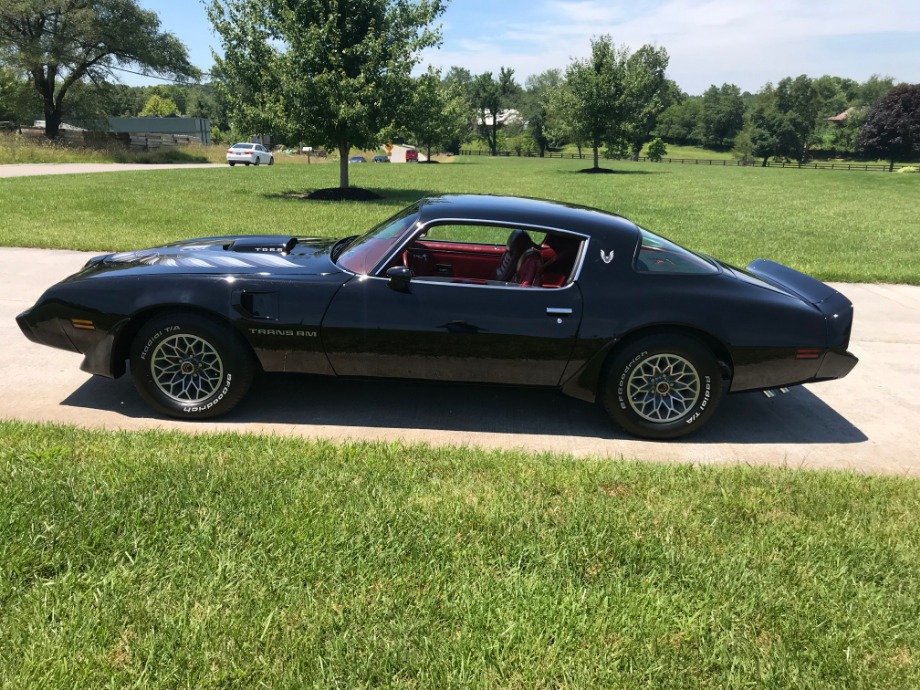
x,y
454,288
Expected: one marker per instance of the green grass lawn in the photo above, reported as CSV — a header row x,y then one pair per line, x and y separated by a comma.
x,y
833,225
164,560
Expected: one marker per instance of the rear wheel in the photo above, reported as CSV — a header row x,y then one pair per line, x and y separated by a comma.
x,y
232,164
190,366
662,386
271,161
258,160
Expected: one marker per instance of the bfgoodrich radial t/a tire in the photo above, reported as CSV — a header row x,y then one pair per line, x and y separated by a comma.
x,y
662,386
190,366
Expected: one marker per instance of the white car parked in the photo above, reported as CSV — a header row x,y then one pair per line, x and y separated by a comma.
x,y
249,154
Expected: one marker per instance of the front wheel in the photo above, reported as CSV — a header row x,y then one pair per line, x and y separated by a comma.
x,y
190,366
662,386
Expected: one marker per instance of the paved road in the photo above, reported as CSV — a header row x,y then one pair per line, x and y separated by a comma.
x,y
26,169
869,421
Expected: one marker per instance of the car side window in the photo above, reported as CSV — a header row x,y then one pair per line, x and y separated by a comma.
x,y
493,255
470,234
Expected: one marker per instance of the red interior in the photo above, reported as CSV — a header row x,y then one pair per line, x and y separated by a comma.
x,y
476,263
456,259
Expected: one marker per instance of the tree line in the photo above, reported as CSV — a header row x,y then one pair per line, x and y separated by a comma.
x,y
338,74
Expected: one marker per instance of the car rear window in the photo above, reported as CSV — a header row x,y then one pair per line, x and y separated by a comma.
x,y
242,146
658,255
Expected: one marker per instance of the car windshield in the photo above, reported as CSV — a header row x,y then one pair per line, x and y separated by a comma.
x,y
361,255
658,255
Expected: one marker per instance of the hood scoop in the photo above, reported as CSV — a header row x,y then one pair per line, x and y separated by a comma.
x,y
262,244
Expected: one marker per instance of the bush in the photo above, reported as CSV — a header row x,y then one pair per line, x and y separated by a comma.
x,y
657,149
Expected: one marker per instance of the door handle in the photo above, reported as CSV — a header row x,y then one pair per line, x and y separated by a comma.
x,y
558,311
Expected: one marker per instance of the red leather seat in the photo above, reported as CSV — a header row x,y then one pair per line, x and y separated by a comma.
x,y
529,271
518,243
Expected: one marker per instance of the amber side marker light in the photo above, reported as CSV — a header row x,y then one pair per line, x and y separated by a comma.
x,y
84,324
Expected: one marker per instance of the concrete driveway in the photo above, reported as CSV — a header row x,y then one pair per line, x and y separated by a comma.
x,y
27,169
869,421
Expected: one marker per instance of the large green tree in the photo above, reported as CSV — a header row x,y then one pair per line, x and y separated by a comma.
x,y
646,94
491,97
784,118
593,97
330,72
440,112
892,129
63,43
536,103
722,114
682,121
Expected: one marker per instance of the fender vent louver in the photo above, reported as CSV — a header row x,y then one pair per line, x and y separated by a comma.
x,y
263,244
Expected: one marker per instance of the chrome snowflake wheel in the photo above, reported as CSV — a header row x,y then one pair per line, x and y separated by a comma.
x,y
663,388
186,368
662,385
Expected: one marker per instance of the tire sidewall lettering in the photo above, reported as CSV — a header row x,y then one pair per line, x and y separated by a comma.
x,y
701,406
621,382
148,346
213,401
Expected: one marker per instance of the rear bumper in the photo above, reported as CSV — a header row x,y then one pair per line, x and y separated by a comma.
x,y
835,365
764,368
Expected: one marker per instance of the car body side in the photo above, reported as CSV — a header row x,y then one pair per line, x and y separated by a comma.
x,y
757,329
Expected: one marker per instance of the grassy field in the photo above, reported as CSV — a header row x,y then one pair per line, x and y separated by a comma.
x,y
834,225
15,149
161,560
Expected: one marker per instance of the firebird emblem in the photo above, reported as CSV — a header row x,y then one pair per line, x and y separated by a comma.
x,y
607,258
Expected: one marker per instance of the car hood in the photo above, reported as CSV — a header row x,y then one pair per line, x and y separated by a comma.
x,y
233,254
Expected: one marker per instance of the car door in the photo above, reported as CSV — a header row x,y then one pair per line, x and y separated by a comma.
x,y
446,328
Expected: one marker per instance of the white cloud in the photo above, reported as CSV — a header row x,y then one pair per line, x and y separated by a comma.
x,y
748,42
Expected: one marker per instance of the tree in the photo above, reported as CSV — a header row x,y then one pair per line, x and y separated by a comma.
x,y
657,150
784,119
535,105
682,122
440,111
490,98
157,105
61,43
874,89
594,94
645,94
332,72
17,98
722,114
892,129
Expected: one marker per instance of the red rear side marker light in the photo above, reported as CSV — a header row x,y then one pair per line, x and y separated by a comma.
x,y
808,353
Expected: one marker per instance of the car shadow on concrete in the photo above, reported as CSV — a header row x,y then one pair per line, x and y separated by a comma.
x,y
797,417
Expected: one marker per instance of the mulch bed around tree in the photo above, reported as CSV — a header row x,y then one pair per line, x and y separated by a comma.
x,y
339,194
595,171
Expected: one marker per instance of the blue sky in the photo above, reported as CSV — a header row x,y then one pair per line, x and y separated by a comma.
x,y
745,42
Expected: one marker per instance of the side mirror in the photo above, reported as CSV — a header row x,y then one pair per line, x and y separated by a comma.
x,y
399,278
